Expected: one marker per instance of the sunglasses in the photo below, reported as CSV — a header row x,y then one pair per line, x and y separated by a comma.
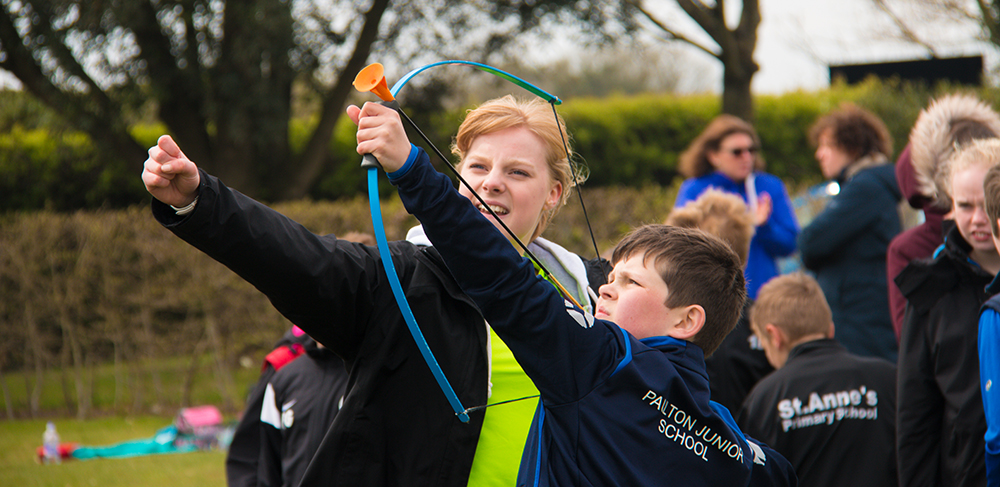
x,y
739,152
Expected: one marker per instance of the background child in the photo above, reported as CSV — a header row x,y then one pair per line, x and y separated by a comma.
x,y
989,338
940,417
824,408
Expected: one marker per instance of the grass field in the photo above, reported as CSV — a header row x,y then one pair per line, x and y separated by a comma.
x,y
19,439
205,389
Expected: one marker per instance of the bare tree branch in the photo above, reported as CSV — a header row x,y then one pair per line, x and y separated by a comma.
x,y
736,47
904,29
674,35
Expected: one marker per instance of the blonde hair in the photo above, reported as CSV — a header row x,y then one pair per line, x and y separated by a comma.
x,y
540,119
794,303
991,197
979,152
721,214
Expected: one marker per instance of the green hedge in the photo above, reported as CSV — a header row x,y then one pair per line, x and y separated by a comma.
x,y
85,289
624,140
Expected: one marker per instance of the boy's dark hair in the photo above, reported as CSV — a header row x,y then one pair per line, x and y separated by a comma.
x,y
855,130
991,200
794,303
697,268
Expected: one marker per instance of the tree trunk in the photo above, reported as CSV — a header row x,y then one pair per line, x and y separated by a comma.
x,y
149,357
37,360
223,375
65,366
252,86
736,47
76,353
736,96
199,349
119,381
316,151
66,297
7,400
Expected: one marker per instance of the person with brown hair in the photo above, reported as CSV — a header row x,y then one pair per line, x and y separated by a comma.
x,y
739,362
940,417
726,156
948,122
395,426
845,245
830,412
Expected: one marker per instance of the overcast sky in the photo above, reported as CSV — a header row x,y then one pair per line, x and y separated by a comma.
x,y
798,39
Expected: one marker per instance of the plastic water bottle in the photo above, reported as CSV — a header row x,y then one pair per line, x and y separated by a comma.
x,y
50,444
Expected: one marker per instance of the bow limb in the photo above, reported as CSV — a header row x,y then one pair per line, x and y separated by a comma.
x,y
397,291
548,97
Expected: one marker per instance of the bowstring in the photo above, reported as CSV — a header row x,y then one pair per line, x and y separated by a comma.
x,y
579,190
484,406
510,232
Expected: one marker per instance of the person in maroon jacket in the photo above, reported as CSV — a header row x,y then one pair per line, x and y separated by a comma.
x,y
947,121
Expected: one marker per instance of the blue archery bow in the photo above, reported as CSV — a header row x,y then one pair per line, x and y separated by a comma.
x,y
372,79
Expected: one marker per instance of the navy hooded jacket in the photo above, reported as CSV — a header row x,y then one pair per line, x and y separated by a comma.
x,y
614,410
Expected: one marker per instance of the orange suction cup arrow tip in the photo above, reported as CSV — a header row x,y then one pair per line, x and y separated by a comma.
x,y
372,79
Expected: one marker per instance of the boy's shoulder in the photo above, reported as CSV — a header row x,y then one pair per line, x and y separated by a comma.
x,y
924,281
992,304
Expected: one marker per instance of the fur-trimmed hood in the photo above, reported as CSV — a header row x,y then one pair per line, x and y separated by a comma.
x,y
932,140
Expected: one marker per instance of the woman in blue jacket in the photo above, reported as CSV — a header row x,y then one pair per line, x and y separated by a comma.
x,y
724,156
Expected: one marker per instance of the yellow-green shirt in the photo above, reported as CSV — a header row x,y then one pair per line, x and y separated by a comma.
x,y
505,427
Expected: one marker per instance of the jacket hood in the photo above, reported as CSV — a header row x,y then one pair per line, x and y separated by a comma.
x,y
932,140
874,159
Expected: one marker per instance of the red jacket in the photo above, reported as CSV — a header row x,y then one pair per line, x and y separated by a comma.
x,y
918,242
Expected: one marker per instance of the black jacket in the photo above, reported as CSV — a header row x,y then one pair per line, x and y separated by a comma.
x,y
830,413
243,456
845,247
940,417
301,401
736,366
395,427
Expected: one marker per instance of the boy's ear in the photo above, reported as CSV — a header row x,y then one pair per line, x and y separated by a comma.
x,y
692,321
775,336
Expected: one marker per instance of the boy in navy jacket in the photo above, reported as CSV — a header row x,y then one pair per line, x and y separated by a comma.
x,y
989,334
624,397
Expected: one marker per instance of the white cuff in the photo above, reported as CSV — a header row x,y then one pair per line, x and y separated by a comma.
x,y
187,209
